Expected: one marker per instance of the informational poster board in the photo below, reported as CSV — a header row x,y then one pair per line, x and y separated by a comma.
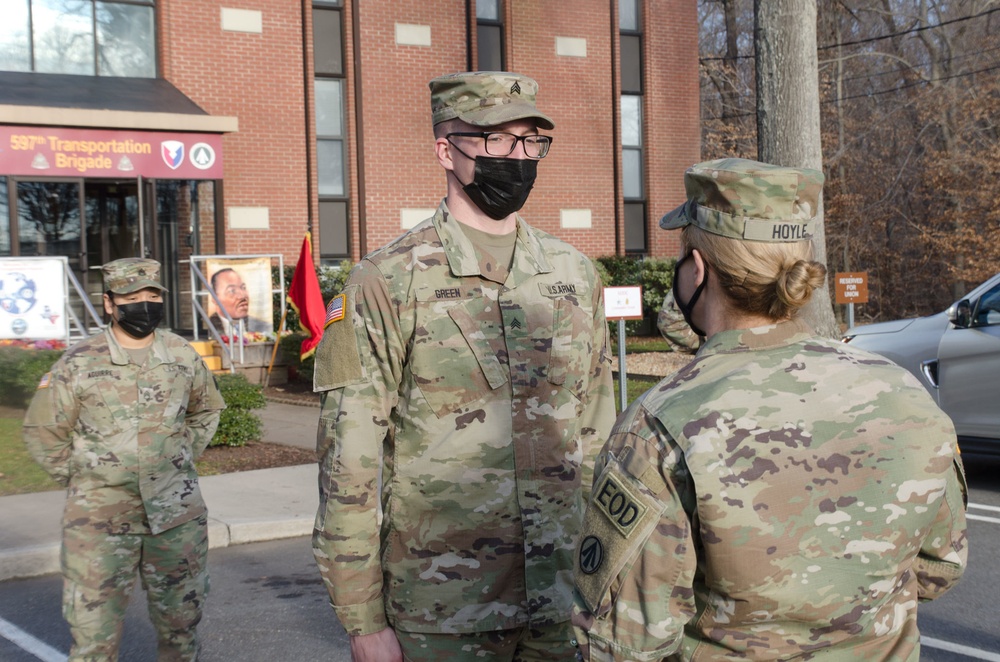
x,y
243,287
33,298
623,303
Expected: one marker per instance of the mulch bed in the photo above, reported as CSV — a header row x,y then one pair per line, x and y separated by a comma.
x,y
254,455
293,393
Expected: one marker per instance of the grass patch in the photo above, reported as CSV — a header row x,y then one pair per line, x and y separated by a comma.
x,y
19,473
633,389
641,344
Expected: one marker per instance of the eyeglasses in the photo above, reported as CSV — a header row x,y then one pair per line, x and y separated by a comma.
x,y
499,143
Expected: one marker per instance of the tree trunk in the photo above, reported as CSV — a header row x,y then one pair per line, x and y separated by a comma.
x,y
788,128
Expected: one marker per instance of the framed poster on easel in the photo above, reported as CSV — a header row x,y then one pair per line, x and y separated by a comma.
x,y
33,298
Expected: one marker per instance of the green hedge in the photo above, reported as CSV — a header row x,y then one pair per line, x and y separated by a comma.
x,y
655,275
21,370
239,424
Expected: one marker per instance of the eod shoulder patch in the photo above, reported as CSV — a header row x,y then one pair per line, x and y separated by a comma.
x,y
618,504
620,517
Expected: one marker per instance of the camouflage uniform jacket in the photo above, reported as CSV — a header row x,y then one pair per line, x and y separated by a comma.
x,y
124,437
781,496
464,410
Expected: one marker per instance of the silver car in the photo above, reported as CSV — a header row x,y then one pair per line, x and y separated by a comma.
x,y
956,355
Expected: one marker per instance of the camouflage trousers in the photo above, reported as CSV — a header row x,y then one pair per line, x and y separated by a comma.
x,y
99,573
552,643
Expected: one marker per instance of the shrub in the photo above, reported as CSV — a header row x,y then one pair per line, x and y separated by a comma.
x,y
239,424
655,275
291,347
21,370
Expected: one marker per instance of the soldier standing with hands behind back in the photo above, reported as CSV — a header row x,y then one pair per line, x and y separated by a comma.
x,y
119,421
466,387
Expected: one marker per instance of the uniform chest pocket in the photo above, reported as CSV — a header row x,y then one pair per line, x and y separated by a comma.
x,y
173,393
620,517
572,345
103,410
454,354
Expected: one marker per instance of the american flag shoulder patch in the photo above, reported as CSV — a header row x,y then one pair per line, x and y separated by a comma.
x,y
335,311
44,383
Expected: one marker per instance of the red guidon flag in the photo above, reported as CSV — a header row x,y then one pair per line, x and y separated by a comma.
x,y
306,298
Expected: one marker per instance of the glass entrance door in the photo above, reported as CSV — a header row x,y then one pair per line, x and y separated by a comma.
x,y
91,222
111,210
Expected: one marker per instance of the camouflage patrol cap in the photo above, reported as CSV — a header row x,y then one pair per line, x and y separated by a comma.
x,y
745,199
131,274
486,98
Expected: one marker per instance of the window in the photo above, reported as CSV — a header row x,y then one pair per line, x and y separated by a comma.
x,y
489,36
331,152
633,189
84,37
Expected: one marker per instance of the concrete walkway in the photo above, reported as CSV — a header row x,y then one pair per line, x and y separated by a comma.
x,y
247,506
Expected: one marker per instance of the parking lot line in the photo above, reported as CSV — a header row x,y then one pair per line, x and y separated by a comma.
x,y
26,642
931,642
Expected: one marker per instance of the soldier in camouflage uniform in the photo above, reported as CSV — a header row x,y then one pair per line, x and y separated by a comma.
x,y
674,329
784,496
467,388
119,421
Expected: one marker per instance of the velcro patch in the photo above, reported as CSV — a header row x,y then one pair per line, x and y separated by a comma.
x,y
46,379
336,310
338,357
618,504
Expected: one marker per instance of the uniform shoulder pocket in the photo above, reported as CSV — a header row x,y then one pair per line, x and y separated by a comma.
x,y
338,356
622,513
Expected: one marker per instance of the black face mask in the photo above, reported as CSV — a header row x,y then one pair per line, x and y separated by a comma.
x,y
501,186
687,308
140,319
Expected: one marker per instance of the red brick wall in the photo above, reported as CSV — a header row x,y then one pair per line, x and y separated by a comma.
x,y
259,79
401,170
577,93
671,109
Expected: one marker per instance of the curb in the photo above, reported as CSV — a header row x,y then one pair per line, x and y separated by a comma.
x,y
44,559
291,401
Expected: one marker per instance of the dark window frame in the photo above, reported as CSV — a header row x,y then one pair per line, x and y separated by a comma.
x,y
634,36
334,228
483,23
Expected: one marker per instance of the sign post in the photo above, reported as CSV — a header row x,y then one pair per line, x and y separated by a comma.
x,y
851,288
622,303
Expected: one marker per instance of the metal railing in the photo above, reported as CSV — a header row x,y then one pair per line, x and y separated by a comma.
x,y
88,308
199,312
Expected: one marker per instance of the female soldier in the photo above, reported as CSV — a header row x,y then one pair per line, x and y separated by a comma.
x,y
784,494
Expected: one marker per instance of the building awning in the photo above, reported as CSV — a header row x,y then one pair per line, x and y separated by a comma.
x,y
146,104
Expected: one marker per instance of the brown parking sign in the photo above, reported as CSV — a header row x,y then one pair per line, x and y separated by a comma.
x,y
851,287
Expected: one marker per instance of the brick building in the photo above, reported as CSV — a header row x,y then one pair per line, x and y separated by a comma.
x,y
173,128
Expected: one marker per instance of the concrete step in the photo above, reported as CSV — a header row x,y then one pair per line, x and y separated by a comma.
x,y
203,347
214,363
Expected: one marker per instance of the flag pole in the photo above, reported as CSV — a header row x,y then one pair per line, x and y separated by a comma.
x,y
277,339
